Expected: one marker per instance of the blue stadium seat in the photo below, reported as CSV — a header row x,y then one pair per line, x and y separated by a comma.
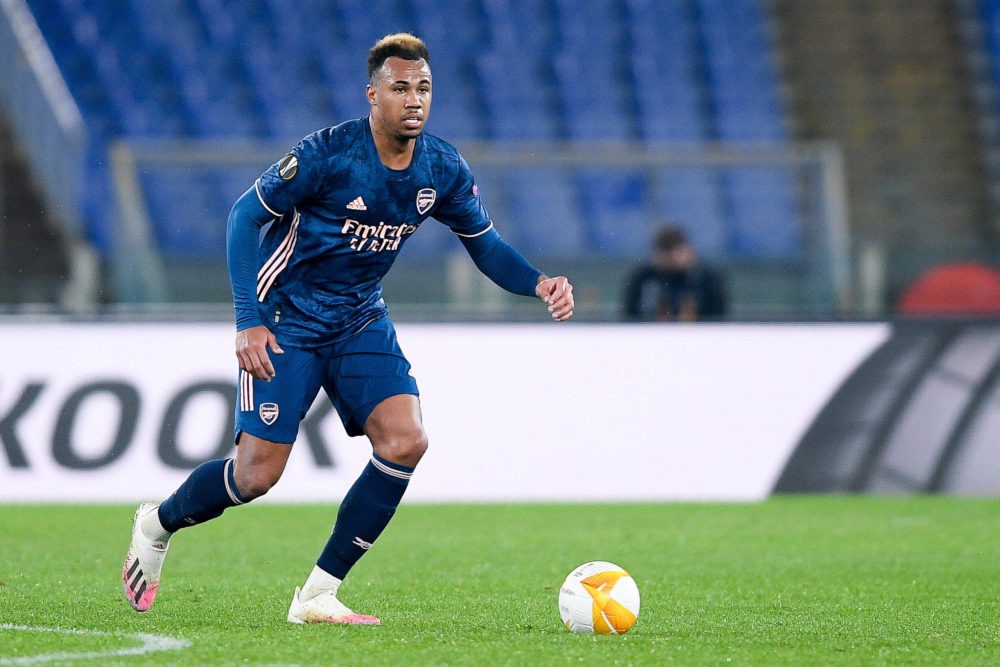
x,y
517,97
591,72
665,50
682,71
522,28
365,21
765,213
346,84
598,24
187,220
542,209
437,24
673,109
741,70
616,211
990,15
594,106
692,197
765,220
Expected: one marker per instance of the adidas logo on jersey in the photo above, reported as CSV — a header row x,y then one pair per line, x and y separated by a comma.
x,y
358,204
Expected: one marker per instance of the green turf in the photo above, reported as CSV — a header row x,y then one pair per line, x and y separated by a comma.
x,y
790,581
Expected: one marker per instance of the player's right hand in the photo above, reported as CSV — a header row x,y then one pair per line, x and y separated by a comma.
x,y
251,351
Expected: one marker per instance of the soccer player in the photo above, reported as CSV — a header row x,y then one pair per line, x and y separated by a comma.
x,y
308,245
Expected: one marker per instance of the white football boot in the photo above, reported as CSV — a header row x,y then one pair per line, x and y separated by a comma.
x,y
141,571
325,608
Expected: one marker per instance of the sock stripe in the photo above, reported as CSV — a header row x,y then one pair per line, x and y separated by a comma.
x,y
207,492
386,469
227,475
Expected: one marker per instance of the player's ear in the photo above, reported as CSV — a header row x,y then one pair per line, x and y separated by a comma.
x,y
370,94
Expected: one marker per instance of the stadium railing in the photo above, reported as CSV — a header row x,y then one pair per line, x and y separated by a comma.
x,y
43,115
813,281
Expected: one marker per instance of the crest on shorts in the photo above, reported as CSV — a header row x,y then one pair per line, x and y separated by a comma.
x,y
425,199
268,413
288,167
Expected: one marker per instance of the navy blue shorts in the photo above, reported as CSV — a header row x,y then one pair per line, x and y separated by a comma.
x,y
357,373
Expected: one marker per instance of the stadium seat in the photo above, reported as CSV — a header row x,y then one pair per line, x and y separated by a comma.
x,y
364,22
672,111
595,106
990,15
765,217
615,211
692,197
543,215
517,97
516,72
187,219
519,28
765,223
437,27
741,72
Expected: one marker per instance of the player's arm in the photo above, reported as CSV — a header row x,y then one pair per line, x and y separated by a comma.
x,y
505,266
246,218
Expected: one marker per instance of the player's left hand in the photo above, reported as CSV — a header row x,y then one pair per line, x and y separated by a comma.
x,y
557,293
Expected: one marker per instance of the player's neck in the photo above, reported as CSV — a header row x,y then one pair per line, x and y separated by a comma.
x,y
394,152
395,157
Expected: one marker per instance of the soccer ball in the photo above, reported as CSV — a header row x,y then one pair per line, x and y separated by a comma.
x,y
599,597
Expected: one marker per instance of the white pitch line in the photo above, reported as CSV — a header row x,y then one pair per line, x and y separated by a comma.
x,y
148,644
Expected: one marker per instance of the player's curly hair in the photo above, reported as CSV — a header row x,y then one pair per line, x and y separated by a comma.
x,y
399,45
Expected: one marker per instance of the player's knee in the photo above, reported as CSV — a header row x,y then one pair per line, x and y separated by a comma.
x,y
404,447
254,481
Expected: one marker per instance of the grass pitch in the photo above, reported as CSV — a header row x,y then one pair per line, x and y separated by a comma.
x,y
789,581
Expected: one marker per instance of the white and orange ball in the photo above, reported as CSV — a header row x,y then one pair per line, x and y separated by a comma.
x,y
599,597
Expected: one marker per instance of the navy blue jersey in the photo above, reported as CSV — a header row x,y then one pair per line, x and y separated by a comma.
x,y
342,217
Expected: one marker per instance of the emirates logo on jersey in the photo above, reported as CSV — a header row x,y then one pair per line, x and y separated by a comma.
x,y
425,199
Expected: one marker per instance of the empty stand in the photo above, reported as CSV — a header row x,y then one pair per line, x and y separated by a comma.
x,y
745,97
665,63
674,72
543,213
691,197
615,208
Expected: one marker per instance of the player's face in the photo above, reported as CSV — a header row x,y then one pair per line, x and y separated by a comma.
x,y
401,101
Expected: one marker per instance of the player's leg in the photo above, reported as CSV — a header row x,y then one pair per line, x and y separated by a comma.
x,y
371,386
215,486
209,490
398,441
395,430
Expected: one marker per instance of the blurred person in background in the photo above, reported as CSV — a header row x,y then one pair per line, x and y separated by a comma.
x,y
673,285
308,246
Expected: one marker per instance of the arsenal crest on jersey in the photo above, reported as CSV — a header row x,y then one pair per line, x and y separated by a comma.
x,y
268,413
425,199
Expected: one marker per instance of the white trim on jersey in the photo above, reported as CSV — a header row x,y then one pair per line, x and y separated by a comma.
x,y
472,236
256,188
246,391
279,260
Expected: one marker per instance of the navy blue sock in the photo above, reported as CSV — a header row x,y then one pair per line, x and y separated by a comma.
x,y
205,494
364,514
